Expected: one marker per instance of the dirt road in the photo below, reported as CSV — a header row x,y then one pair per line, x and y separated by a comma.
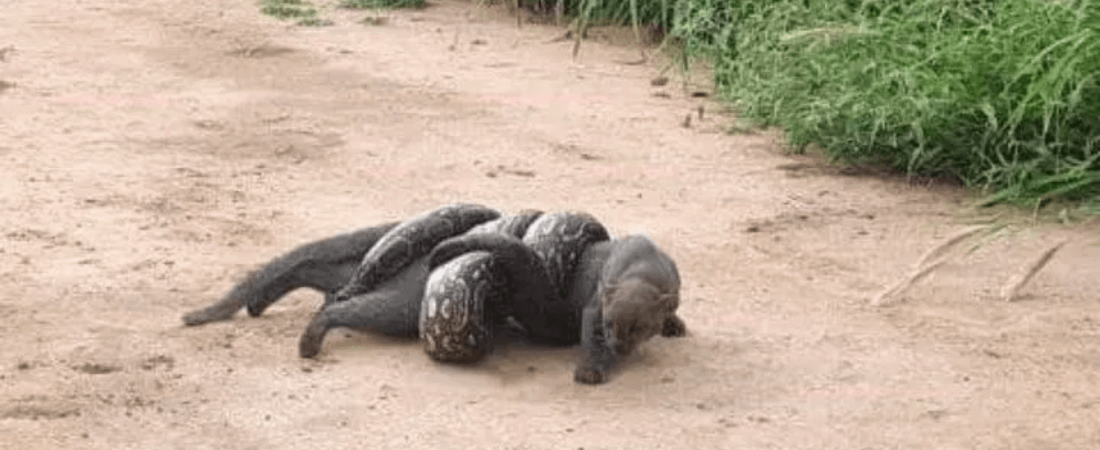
x,y
153,152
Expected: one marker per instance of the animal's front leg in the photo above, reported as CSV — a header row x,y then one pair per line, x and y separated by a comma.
x,y
599,357
674,326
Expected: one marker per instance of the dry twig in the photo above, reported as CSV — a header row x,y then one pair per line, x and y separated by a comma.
x,y
951,241
906,283
920,271
1010,290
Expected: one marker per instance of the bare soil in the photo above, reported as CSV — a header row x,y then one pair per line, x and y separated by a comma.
x,y
152,152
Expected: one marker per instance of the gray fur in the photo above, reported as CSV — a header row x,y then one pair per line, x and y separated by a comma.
x,y
391,309
631,298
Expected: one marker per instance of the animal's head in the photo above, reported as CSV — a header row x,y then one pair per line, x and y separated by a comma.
x,y
634,311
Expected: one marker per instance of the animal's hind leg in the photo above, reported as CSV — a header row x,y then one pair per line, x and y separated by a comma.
x,y
391,312
262,288
324,265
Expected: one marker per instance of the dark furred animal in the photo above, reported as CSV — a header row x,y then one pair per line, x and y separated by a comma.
x,y
558,275
635,298
394,306
391,308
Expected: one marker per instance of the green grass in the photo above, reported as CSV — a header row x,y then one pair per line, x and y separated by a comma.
x,y
1003,95
999,94
315,21
303,12
382,4
288,9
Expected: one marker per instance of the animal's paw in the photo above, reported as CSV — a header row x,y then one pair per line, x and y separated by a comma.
x,y
674,327
196,318
589,375
309,345
214,313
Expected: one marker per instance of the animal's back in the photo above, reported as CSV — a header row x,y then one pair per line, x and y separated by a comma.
x,y
637,256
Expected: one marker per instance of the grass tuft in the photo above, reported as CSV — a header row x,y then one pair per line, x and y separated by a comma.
x,y
315,21
382,4
288,9
1002,95
301,11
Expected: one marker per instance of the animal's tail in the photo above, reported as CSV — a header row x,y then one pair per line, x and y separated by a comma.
x,y
324,265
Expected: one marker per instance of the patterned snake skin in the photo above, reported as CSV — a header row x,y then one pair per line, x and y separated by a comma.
x,y
467,294
411,240
496,274
559,240
461,303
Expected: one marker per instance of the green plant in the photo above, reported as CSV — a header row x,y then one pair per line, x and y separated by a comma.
x,y
314,22
381,4
1001,94
287,9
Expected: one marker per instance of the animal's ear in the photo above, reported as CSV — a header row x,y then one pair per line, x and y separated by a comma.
x,y
605,293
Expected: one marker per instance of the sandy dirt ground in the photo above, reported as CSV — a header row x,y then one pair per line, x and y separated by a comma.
x,y
153,152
